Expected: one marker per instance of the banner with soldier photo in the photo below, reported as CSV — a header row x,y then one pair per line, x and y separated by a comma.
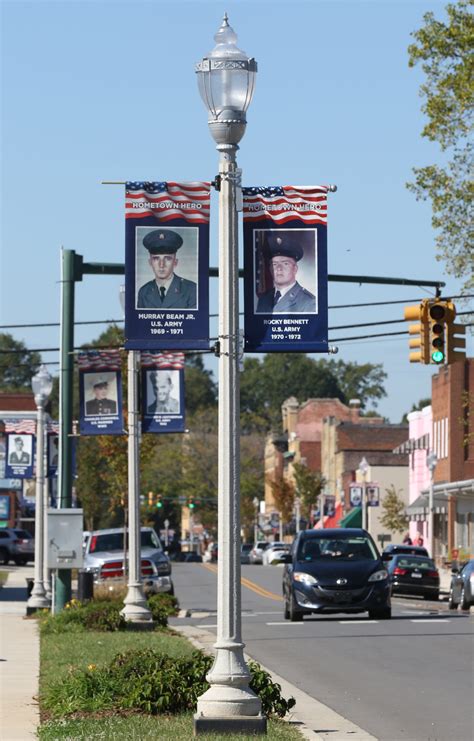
x,y
52,449
20,448
167,265
162,392
285,269
100,393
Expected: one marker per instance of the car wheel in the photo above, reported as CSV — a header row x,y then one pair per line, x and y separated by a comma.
x,y
464,602
451,603
384,613
4,556
294,614
21,561
286,611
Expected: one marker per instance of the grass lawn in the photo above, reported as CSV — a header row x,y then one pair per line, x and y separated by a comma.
x,y
62,651
143,727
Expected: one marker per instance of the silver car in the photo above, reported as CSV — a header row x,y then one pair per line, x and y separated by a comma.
x,y
256,554
104,557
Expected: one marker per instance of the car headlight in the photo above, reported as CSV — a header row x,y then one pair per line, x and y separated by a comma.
x,y
304,578
379,575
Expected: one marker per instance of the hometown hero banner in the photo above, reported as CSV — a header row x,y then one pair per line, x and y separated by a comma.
x,y
163,392
167,265
285,266
100,393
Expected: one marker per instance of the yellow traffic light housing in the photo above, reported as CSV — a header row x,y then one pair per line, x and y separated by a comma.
x,y
441,316
456,346
151,497
420,331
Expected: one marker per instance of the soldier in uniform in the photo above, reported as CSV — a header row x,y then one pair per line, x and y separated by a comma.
x,y
287,296
19,456
100,404
164,403
167,290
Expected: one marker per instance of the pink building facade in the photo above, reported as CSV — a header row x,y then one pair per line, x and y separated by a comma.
x,y
420,429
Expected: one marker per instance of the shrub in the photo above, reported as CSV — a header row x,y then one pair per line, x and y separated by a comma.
x,y
150,682
94,615
162,606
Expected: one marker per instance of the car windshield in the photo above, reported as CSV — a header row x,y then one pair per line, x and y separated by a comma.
x,y
114,541
415,563
246,547
354,548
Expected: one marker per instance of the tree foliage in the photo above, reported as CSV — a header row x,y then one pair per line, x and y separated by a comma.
x,y
393,507
444,50
309,485
360,381
17,364
416,408
284,496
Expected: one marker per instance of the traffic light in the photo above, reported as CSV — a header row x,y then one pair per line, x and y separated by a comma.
x,y
191,504
150,498
456,346
420,341
159,503
441,316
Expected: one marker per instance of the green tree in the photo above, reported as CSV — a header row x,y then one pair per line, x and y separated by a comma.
x,y
17,364
309,485
444,50
284,496
415,408
200,387
364,382
393,507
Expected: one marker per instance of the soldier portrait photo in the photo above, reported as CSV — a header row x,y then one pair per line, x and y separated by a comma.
x,y
19,450
160,283
100,394
163,392
285,271
53,450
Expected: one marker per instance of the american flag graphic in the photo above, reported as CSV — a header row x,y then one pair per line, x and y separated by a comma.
x,y
99,360
166,201
173,360
21,426
282,203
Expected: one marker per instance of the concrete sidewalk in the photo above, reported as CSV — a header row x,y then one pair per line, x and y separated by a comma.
x,y
19,661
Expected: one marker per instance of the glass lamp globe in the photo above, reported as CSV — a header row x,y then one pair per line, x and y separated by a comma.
x,y
363,466
42,383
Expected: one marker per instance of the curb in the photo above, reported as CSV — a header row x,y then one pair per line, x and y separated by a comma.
x,y
308,712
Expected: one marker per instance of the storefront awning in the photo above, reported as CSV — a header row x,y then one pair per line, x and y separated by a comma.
x,y
421,505
352,519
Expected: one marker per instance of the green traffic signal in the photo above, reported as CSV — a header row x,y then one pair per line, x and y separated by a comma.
x,y
191,505
437,356
159,504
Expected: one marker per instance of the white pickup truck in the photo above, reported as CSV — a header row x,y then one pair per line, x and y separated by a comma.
x,y
104,557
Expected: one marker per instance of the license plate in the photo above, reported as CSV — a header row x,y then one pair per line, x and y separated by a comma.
x,y
416,576
342,596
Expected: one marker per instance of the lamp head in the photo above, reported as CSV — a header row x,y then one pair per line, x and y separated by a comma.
x,y
42,384
363,466
226,80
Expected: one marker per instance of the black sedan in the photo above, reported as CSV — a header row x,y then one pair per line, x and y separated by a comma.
x,y
415,575
335,570
395,550
461,591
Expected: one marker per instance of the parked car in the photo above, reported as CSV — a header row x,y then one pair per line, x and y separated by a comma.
x,y
274,552
461,591
192,558
416,575
412,550
16,545
256,554
335,570
104,557
210,554
245,549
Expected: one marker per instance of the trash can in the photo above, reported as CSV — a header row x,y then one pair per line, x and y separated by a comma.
x,y
85,586
29,587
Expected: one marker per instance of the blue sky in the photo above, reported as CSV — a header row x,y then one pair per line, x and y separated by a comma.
x,y
95,91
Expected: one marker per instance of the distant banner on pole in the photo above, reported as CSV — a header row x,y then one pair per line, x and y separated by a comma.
x,y
163,392
100,393
285,268
52,451
20,454
167,265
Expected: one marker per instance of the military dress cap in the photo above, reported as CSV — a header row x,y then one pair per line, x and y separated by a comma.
x,y
100,381
285,244
18,440
162,242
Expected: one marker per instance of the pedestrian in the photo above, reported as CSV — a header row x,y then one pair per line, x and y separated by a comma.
x,y
287,295
407,540
418,540
167,290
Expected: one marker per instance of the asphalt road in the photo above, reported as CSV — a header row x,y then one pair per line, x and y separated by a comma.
x,y
408,678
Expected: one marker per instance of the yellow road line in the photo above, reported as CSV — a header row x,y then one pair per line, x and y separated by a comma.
x,y
249,584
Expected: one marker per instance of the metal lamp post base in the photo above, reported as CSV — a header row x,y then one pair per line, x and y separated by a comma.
x,y
136,610
250,725
37,601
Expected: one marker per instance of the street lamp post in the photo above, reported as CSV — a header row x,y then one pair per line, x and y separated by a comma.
x,y
431,462
226,79
256,504
42,385
364,469
135,608
298,513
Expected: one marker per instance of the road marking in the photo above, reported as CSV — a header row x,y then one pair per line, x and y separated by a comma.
x,y
249,584
357,622
430,620
285,622
214,625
